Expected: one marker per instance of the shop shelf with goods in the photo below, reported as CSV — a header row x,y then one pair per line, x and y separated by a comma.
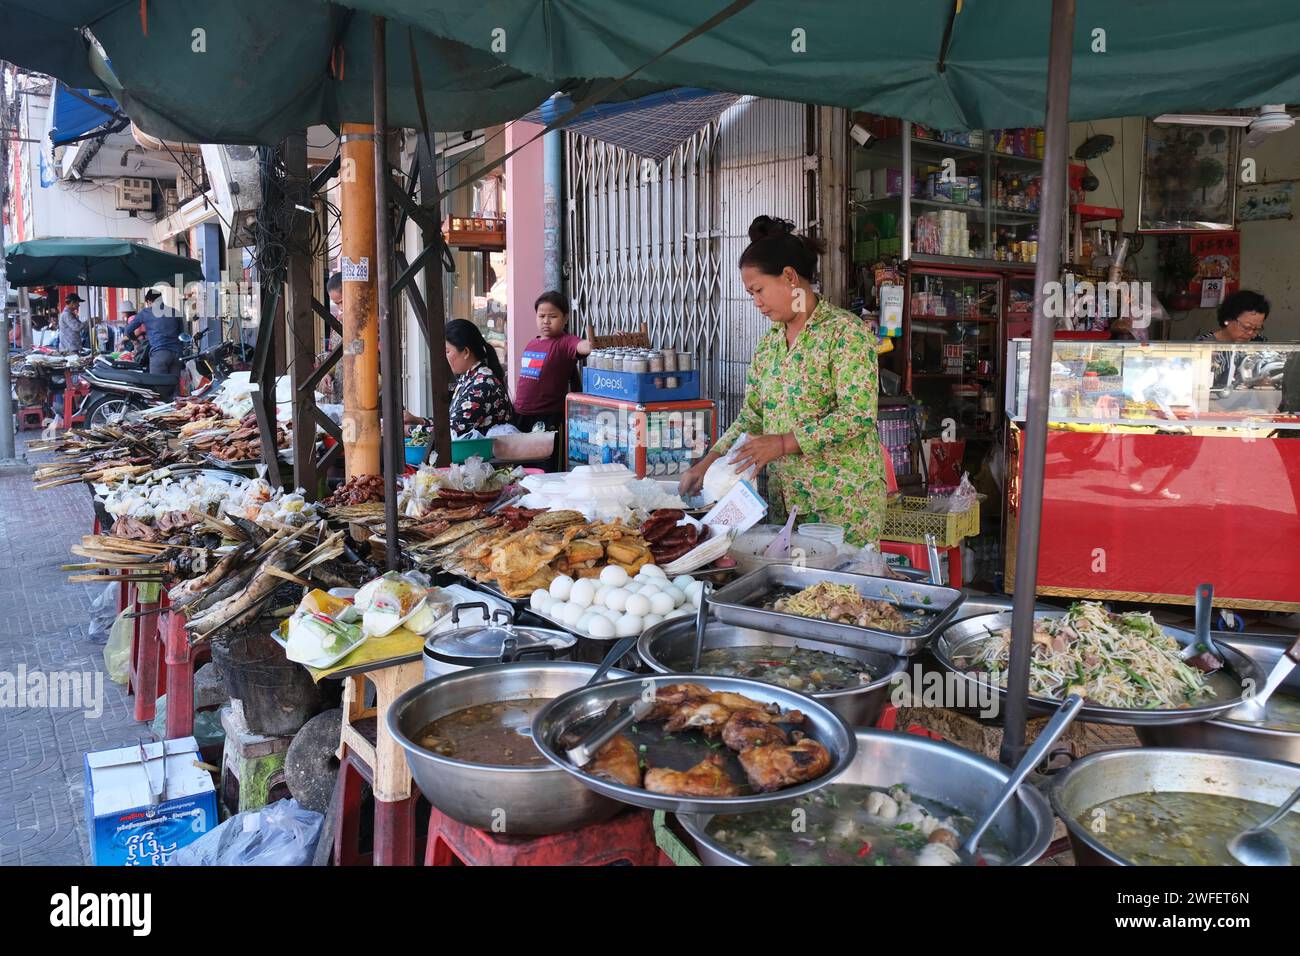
x,y
951,360
924,196
1167,466
653,439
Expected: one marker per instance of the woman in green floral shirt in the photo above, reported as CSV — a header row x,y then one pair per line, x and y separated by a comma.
x,y
810,399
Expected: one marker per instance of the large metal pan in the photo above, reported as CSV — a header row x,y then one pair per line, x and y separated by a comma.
x,y
934,770
584,705
1227,683
1270,739
526,801
739,603
1116,773
675,639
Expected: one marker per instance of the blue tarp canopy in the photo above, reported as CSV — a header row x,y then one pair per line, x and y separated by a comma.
x,y
75,117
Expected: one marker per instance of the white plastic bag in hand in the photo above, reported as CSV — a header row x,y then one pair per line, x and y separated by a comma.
x,y
722,475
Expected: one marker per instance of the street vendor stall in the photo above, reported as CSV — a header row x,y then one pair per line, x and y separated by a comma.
x,y
1157,481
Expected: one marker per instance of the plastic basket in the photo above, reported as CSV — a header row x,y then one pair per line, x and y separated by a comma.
x,y
907,519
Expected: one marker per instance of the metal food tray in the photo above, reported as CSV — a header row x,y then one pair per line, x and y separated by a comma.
x,y
735,604
493,590
587,702
1239,673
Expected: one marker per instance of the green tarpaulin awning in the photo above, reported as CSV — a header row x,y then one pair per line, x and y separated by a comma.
x,y
252,71
115,263
1131,57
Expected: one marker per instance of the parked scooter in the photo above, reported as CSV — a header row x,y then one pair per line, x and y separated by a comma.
x,y
1263,369
117,388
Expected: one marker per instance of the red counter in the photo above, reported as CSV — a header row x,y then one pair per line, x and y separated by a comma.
x,y
1148,517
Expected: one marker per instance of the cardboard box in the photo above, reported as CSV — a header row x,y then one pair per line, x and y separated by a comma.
x,y
127,827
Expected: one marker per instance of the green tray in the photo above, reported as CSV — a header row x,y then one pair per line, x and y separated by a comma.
x,y
467,448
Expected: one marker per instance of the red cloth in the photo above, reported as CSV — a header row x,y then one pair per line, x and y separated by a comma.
x,y
545,373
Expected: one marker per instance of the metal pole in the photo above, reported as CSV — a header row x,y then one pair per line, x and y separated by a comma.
x,y
390,360
6,394
1034,438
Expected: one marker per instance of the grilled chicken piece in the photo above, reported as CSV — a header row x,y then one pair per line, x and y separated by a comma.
x,y
617,761
752,728
774,767
671,696
702,715
705,779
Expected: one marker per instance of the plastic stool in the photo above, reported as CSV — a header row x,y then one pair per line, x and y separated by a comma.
x,y
394,820
180,661
918,557
252,765
628,839
31,418
146,677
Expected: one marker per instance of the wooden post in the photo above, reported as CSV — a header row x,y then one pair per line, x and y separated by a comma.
x,y
436,318
360,324
300,317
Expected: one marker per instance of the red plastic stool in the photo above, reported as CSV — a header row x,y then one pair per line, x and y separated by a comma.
x,y
395,834
147,677
180,660
31,418
628,838
919,558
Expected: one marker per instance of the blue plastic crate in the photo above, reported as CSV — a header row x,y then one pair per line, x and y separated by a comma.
x,y
639,386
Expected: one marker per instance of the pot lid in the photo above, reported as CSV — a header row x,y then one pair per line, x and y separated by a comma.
x,y
487,643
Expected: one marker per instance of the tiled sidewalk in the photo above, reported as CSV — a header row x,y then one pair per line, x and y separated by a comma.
x,y
43,626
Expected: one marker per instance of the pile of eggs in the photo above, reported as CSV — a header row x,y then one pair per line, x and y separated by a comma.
x,y
616,605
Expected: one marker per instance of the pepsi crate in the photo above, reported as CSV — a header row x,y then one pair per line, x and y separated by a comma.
x,y
640,386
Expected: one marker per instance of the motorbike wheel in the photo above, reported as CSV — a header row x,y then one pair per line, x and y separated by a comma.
x,y
105,409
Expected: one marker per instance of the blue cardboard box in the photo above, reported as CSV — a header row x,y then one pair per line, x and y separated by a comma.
x,y
639,386
127,827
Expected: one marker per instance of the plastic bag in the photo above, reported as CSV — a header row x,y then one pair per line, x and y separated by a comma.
x,y
282,834
117,652
103,612
722,475
862,561
961,500
207,725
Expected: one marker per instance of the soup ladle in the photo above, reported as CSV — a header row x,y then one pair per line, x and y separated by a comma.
x,y
1049,735
1260,846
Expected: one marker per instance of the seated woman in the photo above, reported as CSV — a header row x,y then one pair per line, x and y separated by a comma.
x,y
1241,320
479,399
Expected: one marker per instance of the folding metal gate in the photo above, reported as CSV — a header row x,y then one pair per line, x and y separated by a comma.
x,y
659,244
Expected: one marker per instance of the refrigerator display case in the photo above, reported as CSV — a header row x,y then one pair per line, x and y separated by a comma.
x,y
1168,465
653,439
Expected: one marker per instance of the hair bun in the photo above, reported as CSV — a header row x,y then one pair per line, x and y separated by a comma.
x,y
767,227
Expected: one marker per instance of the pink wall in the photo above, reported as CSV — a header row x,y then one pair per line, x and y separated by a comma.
x,y
525,265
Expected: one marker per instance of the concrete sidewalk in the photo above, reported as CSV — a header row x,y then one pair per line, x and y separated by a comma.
x,y
44,622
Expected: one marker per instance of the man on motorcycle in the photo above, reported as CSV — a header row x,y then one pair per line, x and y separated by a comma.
x,y
162,327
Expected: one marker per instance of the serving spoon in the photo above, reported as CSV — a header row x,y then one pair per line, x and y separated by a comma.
x,y
1254,707
1260,846
1049,735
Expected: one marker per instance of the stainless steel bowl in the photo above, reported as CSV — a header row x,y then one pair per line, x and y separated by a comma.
x,y
1234,736
1229,682
860,706
934,770
526,801
582,704
1117,773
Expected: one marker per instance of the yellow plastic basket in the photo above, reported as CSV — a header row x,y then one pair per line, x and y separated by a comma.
x,y
907,520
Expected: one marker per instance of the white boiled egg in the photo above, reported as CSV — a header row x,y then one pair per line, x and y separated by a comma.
x,y
662,604
638,604
561,587
614,576
541,600
584,622
583,592
600,626
627,625
616,600
678,596
651,620
654,571
682,582
572,615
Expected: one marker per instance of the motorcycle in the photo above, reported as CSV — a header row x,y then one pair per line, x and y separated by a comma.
x,y
1263,369
39,378
119,387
